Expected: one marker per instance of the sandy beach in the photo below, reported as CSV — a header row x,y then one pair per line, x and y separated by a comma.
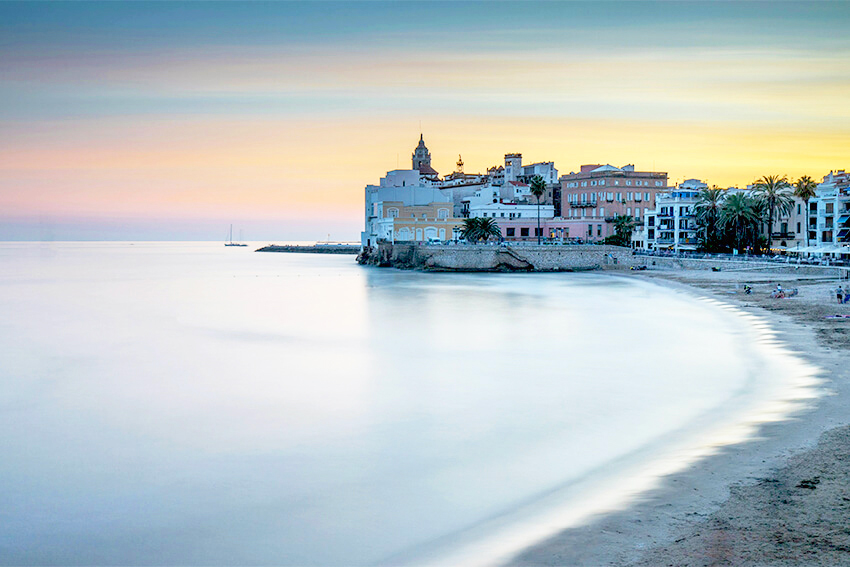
x,y
781,499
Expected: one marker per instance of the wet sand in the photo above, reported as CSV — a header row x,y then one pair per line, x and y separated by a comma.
x,y
782,499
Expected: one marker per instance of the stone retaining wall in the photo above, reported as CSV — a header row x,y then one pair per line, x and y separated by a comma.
x,y
488,258
547,258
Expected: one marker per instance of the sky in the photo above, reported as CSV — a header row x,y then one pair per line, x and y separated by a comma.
x,y
171,121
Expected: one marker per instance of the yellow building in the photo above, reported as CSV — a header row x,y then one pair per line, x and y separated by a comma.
x,y
418,223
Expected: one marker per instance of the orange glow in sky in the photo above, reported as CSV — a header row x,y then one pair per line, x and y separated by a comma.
x,y
108,117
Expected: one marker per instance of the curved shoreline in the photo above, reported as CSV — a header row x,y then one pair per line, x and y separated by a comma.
x,y
690,518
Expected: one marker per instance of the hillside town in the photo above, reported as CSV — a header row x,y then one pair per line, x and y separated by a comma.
x,y
602,203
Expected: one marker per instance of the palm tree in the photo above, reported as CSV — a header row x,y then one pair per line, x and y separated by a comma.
x,y
775,193
739,213
480,228
538,187
624,226
470,230
707,209
804,189
489,227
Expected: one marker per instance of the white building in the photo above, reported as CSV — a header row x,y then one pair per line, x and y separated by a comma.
x,y
830,214
671,225
488,202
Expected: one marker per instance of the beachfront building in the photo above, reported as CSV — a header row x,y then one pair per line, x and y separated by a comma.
x,y
397,222
595,195
671,225
830,216
404,188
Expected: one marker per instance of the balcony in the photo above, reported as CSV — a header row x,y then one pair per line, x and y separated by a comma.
x,y
587,205
783,235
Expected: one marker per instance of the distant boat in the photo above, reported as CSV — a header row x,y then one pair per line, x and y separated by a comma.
x,y
230,240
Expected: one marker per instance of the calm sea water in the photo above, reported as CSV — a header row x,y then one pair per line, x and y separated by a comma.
x,y
187,403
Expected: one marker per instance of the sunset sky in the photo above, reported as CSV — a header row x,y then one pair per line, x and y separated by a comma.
x,y
172,120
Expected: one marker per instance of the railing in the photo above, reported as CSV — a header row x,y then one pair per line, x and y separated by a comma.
x,y
745,258
782,235
583,205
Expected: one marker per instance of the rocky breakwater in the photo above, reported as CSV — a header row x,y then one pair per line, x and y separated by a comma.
x,y
313,249
499,258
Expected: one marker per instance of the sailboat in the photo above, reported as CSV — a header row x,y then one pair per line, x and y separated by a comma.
x,y
230,241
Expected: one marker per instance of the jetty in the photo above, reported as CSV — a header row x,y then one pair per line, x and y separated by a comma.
x,y
319,248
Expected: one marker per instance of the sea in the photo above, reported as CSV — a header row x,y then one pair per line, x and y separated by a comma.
x,y
187,403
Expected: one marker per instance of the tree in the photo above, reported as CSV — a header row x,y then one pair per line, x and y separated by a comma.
x,y
804,189
480,228
739,214
538,187
708,206
624,226
775,193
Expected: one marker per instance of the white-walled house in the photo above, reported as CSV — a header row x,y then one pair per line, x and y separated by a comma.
x,y
407,187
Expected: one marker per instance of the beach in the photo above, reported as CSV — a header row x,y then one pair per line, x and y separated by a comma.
x,y
780,499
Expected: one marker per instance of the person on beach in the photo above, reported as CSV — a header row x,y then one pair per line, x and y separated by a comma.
x,y
839,294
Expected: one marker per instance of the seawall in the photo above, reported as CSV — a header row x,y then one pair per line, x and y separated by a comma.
x,y
495,258
563,258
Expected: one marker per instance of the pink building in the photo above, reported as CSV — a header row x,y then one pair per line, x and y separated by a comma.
x,y
525,229
594,196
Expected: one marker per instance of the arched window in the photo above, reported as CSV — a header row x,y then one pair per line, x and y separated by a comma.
x,y
392,213
442,213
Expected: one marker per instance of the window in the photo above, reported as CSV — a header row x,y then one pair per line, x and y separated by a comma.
x,y
798,212
650,233
798,224
619,196
628,182
590,230
592,183
601,211
519,215
601,182
584,183
637,213
392,213
646,196
829,208
650,221
442,213
538,231
523,232
629,196
598,230
594,212
510,231
616,182
658,184
628,211
610,197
